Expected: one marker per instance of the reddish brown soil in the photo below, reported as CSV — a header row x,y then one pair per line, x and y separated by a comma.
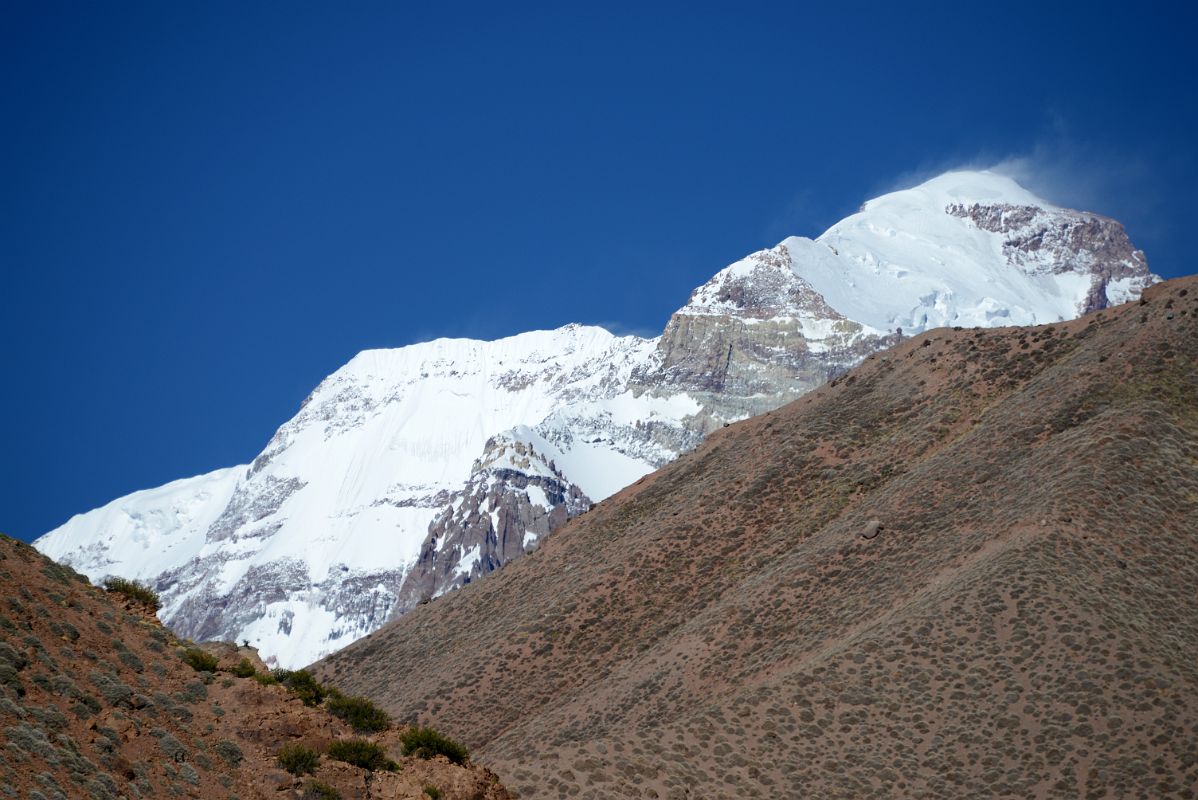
x,y
1024,623
95,702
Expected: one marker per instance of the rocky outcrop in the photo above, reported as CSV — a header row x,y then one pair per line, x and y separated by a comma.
x,y
754,337
514,498
1060,241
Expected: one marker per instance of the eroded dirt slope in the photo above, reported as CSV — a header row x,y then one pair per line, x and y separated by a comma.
x,y
1023,623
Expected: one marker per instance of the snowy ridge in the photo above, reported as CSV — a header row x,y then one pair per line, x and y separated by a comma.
x,y
411,471
143,534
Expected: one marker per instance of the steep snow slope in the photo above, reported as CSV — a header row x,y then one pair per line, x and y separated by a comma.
x,y
324,524
145,533
409,472
965,248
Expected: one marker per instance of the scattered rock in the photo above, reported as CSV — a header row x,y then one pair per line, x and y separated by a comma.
x,y
872,529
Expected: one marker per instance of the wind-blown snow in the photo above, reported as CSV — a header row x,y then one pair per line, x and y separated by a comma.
x,y
902,262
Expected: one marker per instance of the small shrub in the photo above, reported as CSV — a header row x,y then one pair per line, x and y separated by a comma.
x,y
229,751
244,669
298,760
361,714
361,753
427,743
315,790
171,747
134,590
301,683
112,690
194,692
433,792
200,661
129,659
265,678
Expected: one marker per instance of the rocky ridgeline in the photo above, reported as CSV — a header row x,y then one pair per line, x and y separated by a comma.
x,y
493,520
754,339
1062,241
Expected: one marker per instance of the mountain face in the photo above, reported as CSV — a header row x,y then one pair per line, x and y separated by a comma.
x,y
966,568
413,471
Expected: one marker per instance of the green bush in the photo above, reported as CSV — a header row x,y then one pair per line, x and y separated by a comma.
x,y
200,661
265,678
133,590
301,683
433,792
315,790
229,751
361,714
427,743
244,669
298,760
361,753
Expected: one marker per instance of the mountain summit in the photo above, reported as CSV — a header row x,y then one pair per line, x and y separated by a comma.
x,y
412,471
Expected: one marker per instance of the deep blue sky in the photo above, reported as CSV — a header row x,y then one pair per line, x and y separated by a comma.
x,y
206,208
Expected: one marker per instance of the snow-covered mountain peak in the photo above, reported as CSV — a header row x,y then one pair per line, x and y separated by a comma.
x,y
970,249
958,186
410,471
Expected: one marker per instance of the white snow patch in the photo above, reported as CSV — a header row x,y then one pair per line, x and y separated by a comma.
x,y
537,496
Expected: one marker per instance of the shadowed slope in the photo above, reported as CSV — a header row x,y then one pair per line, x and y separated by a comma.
x,y
1023,622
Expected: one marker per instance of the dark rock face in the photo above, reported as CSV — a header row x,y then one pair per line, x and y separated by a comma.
x,y
493,520
1062,241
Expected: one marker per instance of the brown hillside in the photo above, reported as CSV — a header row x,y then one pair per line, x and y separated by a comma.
x,y
1022,623
96,702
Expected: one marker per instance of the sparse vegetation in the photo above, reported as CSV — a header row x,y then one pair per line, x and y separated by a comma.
x,y
229,751
432,791
315,790
428,743
244,669
301,683
199,660
134,590
361,714
361,753
298,760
